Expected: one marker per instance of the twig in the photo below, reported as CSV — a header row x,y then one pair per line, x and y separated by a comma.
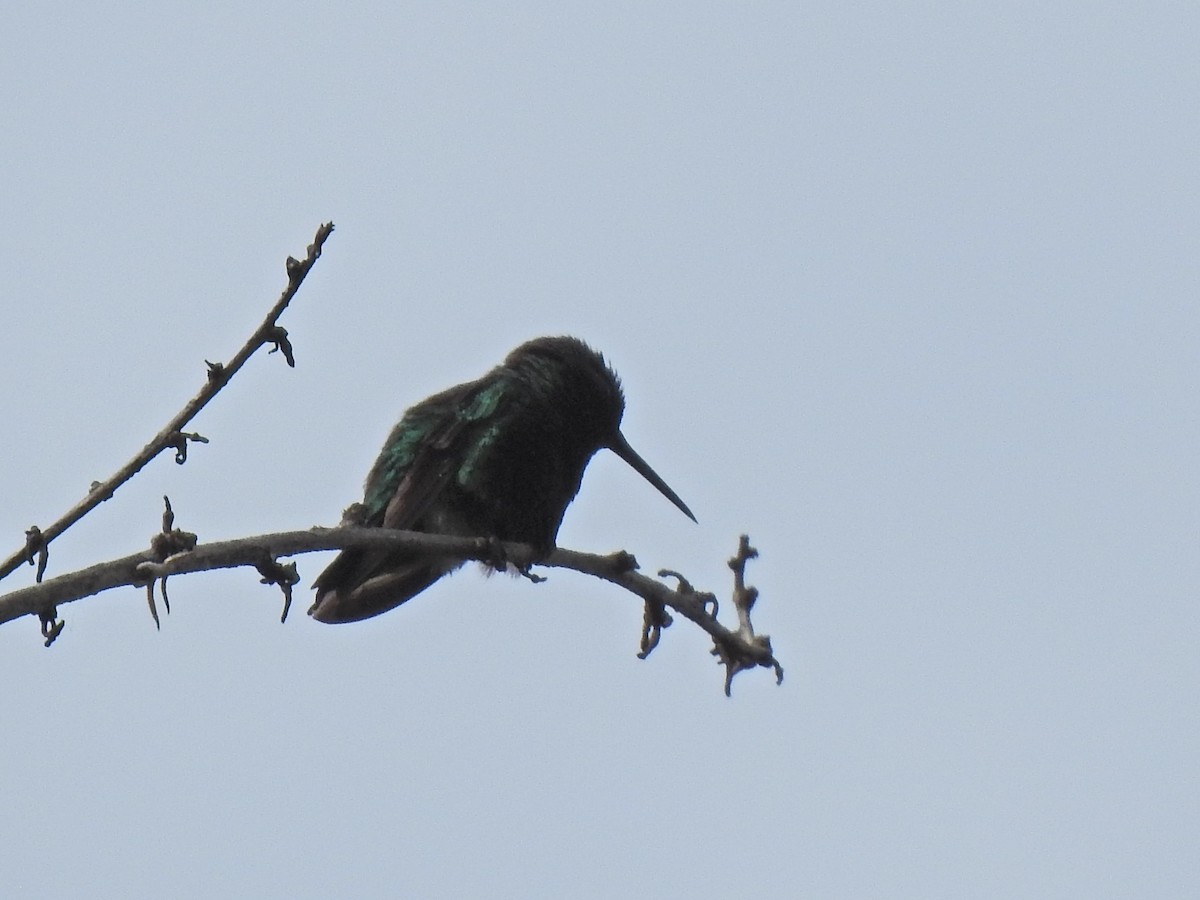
x,y
732,653
736,650
172,435
739,649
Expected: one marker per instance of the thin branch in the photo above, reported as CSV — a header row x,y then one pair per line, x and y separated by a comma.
x,y
737,649
172,436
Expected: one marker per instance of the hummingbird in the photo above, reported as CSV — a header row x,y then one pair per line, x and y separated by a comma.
x,y
500,457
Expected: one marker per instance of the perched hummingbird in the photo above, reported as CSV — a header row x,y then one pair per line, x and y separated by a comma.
x,y
499,457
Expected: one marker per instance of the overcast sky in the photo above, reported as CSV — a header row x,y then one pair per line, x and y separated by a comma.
x,y
908,293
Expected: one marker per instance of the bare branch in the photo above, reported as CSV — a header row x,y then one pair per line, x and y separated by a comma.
x,y
731,653
172,435
737,649
173,551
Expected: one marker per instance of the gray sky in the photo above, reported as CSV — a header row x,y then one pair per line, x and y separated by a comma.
x,y
907,293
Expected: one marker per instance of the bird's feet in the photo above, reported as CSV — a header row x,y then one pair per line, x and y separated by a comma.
x,y
498,557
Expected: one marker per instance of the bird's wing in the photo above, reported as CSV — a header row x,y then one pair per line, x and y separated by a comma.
x,y
435,445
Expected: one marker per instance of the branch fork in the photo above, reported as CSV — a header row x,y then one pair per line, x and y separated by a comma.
x,y
172,436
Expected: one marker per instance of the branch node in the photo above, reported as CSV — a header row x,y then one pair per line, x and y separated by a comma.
x,y
167,544
298,268
278,336
33,543
215,370
622,562
314,249
37,548
654,620
684,588
743,596
179,440
743,652
51,625
284,575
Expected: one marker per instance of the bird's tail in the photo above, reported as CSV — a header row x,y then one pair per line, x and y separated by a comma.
x,y
360,584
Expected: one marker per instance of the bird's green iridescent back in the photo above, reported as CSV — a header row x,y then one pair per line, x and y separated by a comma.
x,y
431,428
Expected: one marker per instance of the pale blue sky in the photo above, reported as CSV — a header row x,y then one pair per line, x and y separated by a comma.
x,y
907,292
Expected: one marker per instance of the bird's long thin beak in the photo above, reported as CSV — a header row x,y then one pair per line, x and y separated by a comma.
x,y
620,446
